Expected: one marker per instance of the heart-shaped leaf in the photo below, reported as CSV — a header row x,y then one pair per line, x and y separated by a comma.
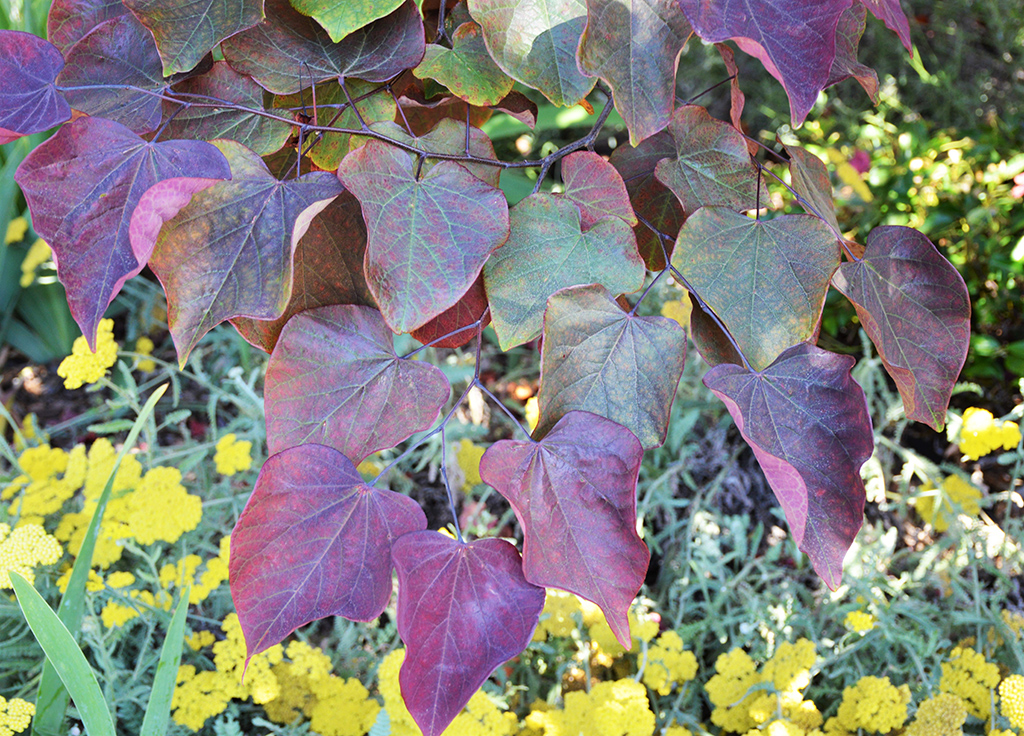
x,y
84,185
845,65
600,359
116,68
916,309
794,39
635,45
261,134
711,165
327,268
891,13
596,187
314,541
466,69
463,610
456,321
548,251
334,379
186,32
70,20
214,267
766,279
428,236
341,19
535,41
807,421
574,493
29,100
288,51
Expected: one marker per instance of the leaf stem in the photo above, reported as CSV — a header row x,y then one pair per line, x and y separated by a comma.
x,y
712,88
508,412
585,142
444,477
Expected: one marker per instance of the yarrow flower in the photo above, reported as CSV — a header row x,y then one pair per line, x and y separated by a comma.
x,y
144,346
668,663
85,366
970,677
873,704
940,506
15,715
859,622
468,455
1011,697
16,230
233,455
981,434
728,691
23,549
943,715
557,618
37,255
611,708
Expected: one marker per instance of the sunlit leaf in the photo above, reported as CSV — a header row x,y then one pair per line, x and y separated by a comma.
x,y
807,421
811,181
596,187
29,100
313,541
467,311
574,493
228,253
428,236
535,41
916,309
341,19
463,610
334,379
891,13
548,251
186,32
635,45
288,51
711,165
766,279
70,20
845,65
467,69
600,359
84,185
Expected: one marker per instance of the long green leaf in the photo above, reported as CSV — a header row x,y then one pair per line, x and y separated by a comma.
x,y
52,697
159,708
67,659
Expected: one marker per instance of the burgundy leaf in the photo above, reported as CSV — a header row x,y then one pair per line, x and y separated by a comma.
x,y
574,493
794,39
334,379
736,97
119,51
83,186
519,106
891,13
71,20
29,100
463,610
428,236
424,114
916,309
314,541
845,65
807,421
288,51
710,339
470,308
596,187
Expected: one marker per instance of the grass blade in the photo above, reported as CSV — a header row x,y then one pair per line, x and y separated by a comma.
x,y
159,708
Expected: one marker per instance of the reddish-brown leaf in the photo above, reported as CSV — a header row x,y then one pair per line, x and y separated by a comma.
x,y
470,308
596,187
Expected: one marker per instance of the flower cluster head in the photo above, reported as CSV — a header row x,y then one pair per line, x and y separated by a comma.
x,y
23,549
668,663
859,622
233,455
873,704
981,434
51,478
144,346
943,715
970,677
939,506
15,715
1011,698
37,255
643,626
611,708
557,619
85,366
468,456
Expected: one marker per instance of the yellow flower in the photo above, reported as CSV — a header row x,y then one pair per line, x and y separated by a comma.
x,y
643,626
940,506
468,456
120,579
31,435
183,574
668,663
23,549
229,657
873,704
41,492
160,509
1014,621
557,617
859,621
981,434
233,455
199,696
611,708
16,230
145,346
1011,696
37,255
115,614
943,715
532,413
343,707
728,691
15,715
83,365
789,669
199,639
969,676
678,310
94,583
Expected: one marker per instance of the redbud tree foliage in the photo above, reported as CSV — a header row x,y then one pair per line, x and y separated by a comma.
x,y
315,173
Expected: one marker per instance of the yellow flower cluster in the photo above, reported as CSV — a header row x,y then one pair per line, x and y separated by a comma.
x,y
23,549
233,455
611,708
116,614
468,455
16,230
873,704
85,366
859,622
183,573
970,677
1011,696
939,506
15,715
144,346
532,410
40,492
668,664
679,310
557,619
1014,621
943,715
37,255
643,626
981,434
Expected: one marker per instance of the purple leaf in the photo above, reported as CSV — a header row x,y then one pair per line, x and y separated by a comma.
x,y
916,309
807,421
891,13
119,51
334,379
314,541
428,236
229,252
794,39
574,493
83,186
29,100
845,65
71,20
470,308
596,187
463,610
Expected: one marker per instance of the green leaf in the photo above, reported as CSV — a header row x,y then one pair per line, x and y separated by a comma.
x,y
535,41
810,180
341,19
186,32
766,279
711,165
547,251
635,45
67,659
154,723
600,359
466,68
